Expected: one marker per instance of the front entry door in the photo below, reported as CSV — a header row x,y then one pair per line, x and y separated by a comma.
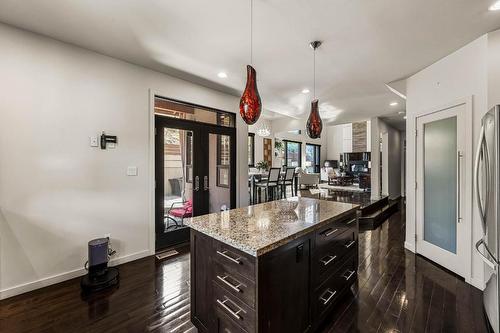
x,y
440,227
194,172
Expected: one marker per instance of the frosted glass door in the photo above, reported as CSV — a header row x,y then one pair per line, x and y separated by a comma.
x,y
440,183
443,163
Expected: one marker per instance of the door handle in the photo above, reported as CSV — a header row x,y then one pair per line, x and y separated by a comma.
x,y
326,300
205,183
327,260
351,243
479,203
486,260
235,287
224,255
348,274
196,184
329,232
459,186
235,314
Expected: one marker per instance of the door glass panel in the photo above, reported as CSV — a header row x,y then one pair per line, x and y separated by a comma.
x,y
219,178
178,177
440,183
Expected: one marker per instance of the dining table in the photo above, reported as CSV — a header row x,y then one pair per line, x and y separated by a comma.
x,y
257,177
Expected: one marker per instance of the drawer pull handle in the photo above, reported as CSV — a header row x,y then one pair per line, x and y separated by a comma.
x,y
350,274
327,260
329,298
351,221
330,232
351,243
229,284
224,254
235,314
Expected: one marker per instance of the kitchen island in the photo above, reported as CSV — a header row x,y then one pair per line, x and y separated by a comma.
x,y
280,266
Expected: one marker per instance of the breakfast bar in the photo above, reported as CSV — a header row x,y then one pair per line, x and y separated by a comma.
x,y
279,266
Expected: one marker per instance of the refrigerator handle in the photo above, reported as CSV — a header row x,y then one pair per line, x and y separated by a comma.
x,y
476,177
486,260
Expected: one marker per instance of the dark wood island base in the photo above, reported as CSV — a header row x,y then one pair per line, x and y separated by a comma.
x,y
290,288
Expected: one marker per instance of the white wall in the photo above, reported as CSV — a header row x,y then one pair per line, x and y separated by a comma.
x,y
335,142
391,156
339,140
56,192
459,75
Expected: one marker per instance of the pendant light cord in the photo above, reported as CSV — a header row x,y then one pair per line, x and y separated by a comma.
x,y
314,73
251,32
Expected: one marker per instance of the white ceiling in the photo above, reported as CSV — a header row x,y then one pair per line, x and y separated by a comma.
x,y
365,43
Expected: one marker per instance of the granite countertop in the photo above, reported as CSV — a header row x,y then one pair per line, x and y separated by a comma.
x,y
261,228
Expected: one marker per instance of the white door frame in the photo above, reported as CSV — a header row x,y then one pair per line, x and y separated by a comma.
x,y
467,166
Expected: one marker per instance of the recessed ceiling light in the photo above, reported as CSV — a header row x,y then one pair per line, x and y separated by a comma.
x,y
393,104
222,75
495,6
305,91
404,117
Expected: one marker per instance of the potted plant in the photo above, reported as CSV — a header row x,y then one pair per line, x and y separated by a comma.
x,y
263,166
278,148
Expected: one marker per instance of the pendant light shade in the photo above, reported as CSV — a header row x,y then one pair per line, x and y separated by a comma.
x,y
250,103
314,124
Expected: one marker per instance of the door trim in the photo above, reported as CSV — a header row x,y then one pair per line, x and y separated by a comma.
x,y
468,175
151,165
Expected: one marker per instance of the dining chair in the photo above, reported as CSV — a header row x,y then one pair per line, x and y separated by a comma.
x,y
287,181
270,185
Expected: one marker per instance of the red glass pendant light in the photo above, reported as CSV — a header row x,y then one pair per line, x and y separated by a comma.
x,y
314,124
250,103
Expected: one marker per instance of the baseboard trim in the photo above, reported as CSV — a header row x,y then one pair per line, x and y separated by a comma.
x,y
45,282
479,284
410,247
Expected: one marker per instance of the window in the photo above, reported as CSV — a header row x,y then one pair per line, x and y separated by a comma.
x,y
181,110
251,149
293,153
313,158
223,160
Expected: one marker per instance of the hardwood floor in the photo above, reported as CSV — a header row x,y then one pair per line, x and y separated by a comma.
x,y
397,292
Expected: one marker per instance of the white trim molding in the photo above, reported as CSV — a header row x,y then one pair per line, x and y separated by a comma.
x,y
50,280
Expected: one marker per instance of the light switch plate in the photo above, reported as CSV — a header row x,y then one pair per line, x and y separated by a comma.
x,y
94,142
132,171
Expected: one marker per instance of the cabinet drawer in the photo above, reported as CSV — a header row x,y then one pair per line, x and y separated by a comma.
x,y
329,291
225,325
234,283
335,235
330,256
240,313
234,260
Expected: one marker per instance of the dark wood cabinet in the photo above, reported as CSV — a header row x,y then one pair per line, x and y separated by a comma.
x,y
201,282
284,279
288,289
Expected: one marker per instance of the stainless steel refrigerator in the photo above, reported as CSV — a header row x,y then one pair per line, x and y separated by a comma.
x,y
487,192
